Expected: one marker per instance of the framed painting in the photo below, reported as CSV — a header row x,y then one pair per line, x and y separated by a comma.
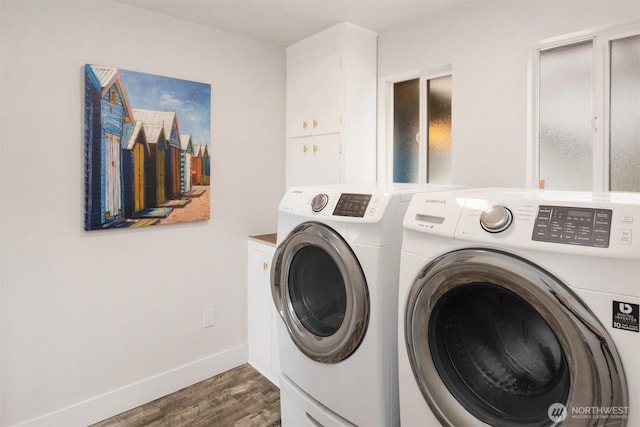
x,y
146,149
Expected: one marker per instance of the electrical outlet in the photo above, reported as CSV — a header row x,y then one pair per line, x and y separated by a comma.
x,y
208,318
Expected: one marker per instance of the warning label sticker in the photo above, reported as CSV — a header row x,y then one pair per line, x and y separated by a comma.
x,y
625,316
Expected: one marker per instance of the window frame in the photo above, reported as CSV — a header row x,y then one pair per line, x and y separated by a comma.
x,y
387,122
601,38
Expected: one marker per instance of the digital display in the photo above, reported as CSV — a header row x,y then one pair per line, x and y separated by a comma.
x,y
354,205
580,214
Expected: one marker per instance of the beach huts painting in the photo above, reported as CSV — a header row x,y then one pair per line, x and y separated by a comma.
x,y
146,148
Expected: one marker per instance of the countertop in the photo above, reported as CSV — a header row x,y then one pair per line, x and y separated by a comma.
x,y
267,238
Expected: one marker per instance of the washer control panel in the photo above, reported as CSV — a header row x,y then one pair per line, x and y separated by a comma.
x,y
573,226
555,222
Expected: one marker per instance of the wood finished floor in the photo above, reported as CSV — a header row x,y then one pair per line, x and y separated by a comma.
x,y
240,397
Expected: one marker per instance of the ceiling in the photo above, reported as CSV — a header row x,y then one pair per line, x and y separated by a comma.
x,y
285,22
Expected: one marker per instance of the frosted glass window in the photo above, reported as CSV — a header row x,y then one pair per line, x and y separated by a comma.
x,y
565,113
422,130
624,143
439,130
406,128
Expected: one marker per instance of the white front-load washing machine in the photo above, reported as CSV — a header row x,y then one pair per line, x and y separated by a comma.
x,y
334,281
520,308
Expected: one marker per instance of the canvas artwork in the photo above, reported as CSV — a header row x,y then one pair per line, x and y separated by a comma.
x,y
147,149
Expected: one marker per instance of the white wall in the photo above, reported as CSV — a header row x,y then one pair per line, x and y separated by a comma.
x,y
94,321
487,45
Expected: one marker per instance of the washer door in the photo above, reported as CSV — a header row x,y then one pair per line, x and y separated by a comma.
x,y
321,293
494,338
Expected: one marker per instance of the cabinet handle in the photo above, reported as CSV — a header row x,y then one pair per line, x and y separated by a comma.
x,y
304,124
304,149
315,123
315,148
265,266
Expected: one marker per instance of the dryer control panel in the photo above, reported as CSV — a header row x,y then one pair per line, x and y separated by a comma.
x,y
573,226
333,203
354,205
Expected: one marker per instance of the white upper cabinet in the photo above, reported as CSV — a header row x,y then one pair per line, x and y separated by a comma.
x,y
313,103
331,90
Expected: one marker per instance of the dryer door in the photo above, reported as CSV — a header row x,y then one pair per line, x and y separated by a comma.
x,y
494,338
321,293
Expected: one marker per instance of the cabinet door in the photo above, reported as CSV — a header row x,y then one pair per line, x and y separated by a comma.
x,y
259,308
298,161
276,370
314,96
299,99
326,108
326,159
314,160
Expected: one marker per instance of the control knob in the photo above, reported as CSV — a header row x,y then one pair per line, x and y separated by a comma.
x,y
319,202
496,218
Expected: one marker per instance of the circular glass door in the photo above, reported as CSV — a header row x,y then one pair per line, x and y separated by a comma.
x,y
320,291
494,338
317,291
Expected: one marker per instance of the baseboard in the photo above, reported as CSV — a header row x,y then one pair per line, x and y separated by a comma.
x,y
117,401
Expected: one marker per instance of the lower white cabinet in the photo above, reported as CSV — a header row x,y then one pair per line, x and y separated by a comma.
x,y
262,314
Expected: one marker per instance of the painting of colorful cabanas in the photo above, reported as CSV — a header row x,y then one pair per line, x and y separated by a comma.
x,y
107,110
139,168
186,153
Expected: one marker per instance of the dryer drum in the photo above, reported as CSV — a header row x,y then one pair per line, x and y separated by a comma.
x,y
502,349
320,309
492,337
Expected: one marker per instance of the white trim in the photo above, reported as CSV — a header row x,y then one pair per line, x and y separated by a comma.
x,y
114,402
532,152
423,130
600,168
629,27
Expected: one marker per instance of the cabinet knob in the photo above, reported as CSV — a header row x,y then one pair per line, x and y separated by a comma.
x,y
304,124
304,149
265,266
315,148
315,123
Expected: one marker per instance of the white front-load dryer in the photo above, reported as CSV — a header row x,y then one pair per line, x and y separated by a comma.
x,y
520,308
334,283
